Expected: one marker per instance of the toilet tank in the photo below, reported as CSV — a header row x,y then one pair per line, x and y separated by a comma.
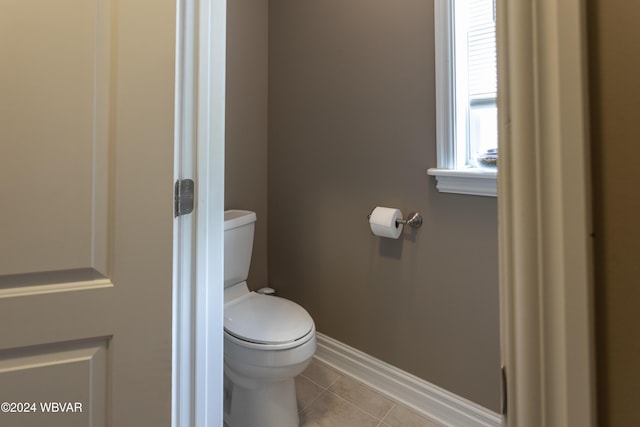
x,y
238,245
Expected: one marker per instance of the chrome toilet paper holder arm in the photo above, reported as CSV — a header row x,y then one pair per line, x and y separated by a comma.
x,y
414,220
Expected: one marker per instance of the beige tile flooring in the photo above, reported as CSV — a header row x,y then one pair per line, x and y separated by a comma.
x,y
328,398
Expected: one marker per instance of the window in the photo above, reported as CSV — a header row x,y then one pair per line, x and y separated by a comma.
x,y
466,87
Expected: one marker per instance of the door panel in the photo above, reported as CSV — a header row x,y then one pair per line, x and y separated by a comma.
x,y
86,171
47,119
66,382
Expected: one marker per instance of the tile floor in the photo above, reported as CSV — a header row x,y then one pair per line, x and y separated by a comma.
x,y
328,398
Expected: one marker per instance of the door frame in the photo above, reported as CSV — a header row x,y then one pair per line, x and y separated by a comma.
x,y
545,227
197,390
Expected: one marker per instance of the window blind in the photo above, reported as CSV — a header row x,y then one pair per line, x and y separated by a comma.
x,y
481,51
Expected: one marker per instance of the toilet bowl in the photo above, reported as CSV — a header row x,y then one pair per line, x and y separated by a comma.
x,y
268,340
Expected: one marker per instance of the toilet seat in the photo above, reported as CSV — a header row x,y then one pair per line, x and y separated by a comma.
x,y
266,320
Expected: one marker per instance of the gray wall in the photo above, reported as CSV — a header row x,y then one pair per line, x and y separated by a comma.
x,y
352,126
615,89
246,122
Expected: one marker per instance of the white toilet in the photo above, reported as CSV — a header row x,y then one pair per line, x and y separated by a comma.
x,y
268,340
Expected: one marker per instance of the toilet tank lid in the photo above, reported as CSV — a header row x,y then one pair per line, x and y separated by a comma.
x,y
266,319
235,218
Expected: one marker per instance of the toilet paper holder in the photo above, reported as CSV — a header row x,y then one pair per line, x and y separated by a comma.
x,y
414,220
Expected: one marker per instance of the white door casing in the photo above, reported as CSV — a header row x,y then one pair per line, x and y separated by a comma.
x,y
546,290
200,132
86,170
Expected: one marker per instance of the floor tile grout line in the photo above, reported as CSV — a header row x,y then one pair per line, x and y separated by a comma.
x,y
313,382
324,389
393,404
335,382
341,376
354,405
389,411
380,420
345,376
300,411
370,389
320,385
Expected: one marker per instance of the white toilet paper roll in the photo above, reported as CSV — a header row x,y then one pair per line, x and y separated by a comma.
x,y
383,222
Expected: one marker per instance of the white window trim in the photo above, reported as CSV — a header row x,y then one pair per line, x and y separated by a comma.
x,y
449,179
476,182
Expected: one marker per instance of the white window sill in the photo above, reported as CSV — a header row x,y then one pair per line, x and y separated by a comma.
x,y
476,182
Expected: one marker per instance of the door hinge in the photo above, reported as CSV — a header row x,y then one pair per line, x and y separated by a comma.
x,y
503,390
183,197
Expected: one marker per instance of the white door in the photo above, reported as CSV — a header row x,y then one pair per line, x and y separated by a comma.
x,y
86,212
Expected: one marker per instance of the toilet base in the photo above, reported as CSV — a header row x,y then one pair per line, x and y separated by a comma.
x,y
267,404
260,380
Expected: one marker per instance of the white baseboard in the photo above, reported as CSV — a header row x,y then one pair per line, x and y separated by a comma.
x,y
421,396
